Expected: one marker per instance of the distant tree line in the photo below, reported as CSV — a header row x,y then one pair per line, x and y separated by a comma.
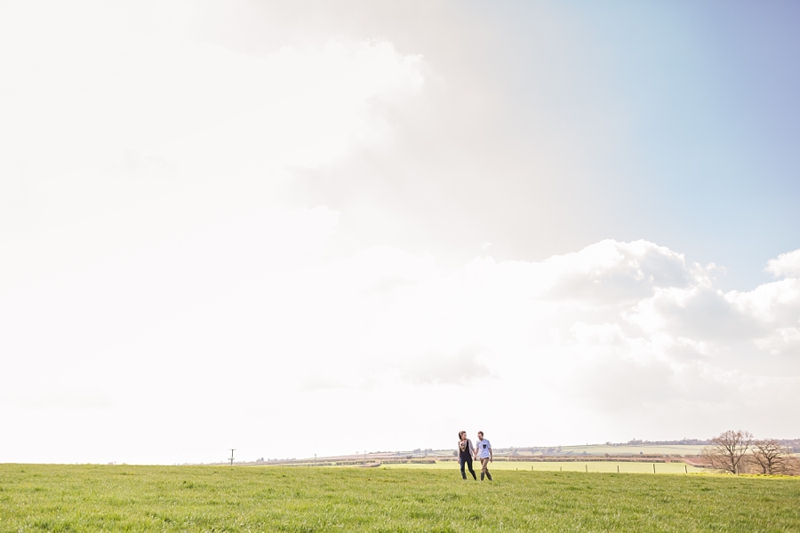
x,y
738,452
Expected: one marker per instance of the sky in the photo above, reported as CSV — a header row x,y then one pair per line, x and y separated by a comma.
x,y
307,227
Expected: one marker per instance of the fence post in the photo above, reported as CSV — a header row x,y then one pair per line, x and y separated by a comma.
x,y
617,469
587,469
685,469
654,468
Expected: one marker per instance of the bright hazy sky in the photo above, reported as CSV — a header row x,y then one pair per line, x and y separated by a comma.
x,y
294,227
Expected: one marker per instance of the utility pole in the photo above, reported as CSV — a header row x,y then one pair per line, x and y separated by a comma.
x,y
232,456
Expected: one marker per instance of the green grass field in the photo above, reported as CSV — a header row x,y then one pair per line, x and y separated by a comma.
x,y
242,499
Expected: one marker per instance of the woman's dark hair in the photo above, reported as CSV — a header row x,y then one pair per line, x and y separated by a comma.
x,y
461,433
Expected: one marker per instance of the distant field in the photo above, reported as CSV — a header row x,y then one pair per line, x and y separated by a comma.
x,y
675,449
37,498
596,449
592,450
566,466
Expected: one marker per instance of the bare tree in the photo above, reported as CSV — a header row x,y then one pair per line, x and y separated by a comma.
x,y
728,450
771,456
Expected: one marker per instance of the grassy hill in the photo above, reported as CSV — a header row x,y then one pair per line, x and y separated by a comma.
x,y
237,499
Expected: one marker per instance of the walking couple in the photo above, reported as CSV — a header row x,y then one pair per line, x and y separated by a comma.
x,y
466,452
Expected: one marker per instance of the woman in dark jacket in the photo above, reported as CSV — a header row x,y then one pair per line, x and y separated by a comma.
x,y
465,453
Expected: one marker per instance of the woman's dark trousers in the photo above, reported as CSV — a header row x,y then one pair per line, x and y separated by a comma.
x,y
468,461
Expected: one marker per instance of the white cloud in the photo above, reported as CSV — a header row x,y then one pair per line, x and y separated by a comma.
x,y
781,340
459,369
201,110
108,108
391,335
785,265
614,272
773,303
677,342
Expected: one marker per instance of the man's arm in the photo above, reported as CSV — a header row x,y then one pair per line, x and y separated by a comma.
x,y
491,456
